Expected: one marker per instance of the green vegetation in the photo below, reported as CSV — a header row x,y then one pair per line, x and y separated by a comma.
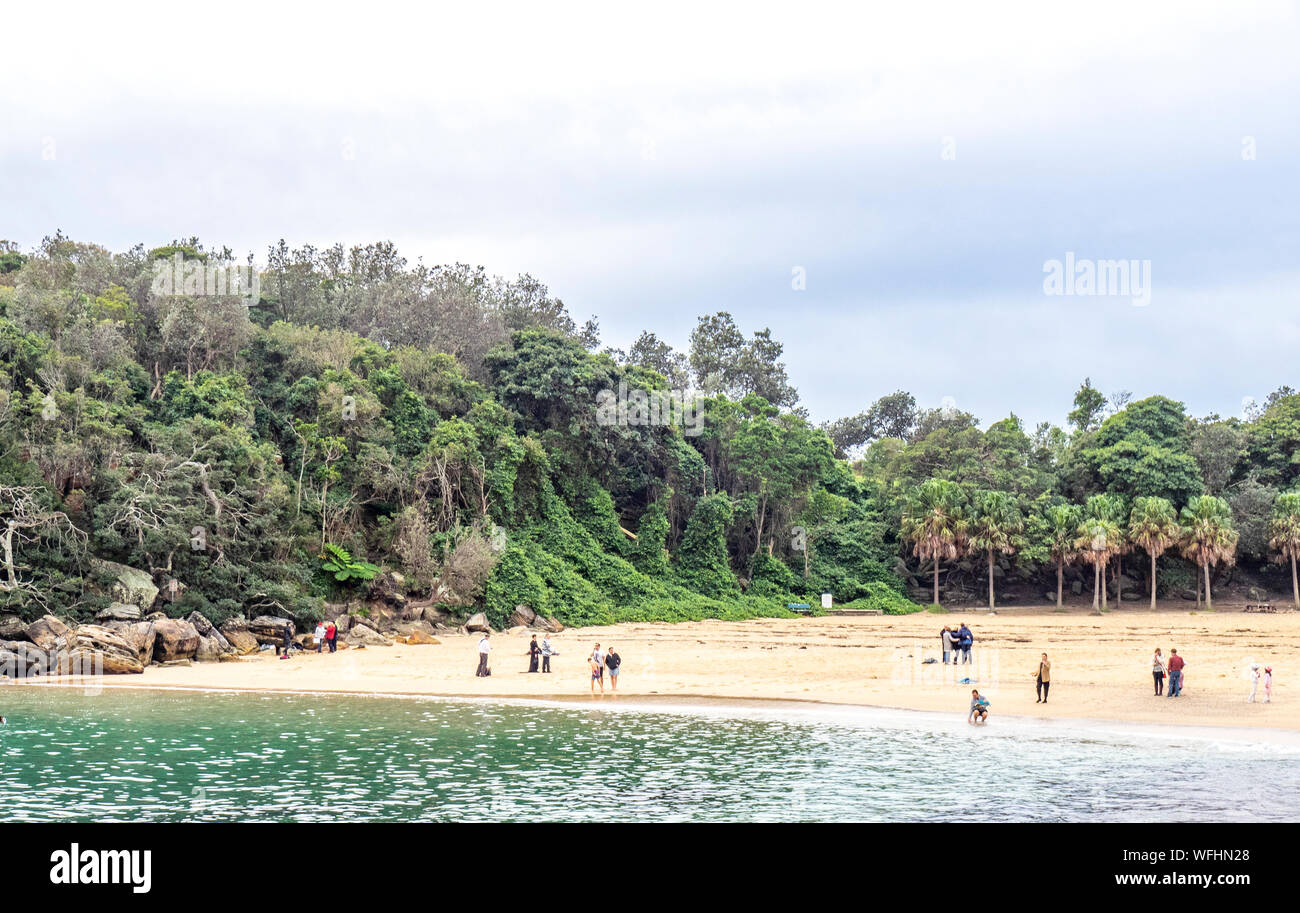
x,y
465,430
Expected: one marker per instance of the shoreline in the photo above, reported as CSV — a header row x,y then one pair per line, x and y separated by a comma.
x,y
762,707
1101,668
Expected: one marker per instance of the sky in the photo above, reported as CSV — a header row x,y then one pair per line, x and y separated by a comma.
x,y
883,185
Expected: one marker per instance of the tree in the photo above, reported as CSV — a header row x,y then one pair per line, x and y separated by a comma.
x,y
1286,534
1089,404
1208,536
995,526
1057,528
935,522
1153,526
1097,542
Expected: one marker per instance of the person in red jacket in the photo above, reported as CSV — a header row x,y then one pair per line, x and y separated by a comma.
x,y
1176,664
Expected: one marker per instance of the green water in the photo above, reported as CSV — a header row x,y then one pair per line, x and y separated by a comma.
x,y
174,756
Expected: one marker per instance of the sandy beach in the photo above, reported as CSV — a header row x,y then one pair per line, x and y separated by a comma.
x,y
1101,664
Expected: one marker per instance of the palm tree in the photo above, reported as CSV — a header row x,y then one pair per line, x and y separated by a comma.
x,y
1062,527
1109,510
995,528
1208,536
934,521
1286,534
1097,541
1153,526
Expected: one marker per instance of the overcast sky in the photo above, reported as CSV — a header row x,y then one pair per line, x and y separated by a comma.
x,y
920,163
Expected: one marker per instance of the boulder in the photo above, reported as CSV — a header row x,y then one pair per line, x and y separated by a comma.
x,y
201,623
1077,588
549,625
211,648
45,631
118,611
269,629
435,614
406,628
12,627
139,634
420,637
241,640
20,659
128,584
343,623
522,616
94,649
477,623
174,639
1135,596
362,636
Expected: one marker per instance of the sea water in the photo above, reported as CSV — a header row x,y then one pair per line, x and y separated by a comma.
x,y
137,755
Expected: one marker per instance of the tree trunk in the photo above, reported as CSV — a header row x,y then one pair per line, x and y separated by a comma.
x,y
1060,579
1096,590
936,581
1119,581
1295,585
1105,586
1153,581
1198,591
991,606
1209,599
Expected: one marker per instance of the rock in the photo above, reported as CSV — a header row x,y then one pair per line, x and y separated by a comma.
x,y
435,614
20,659
549,625
211,648
174,639
407,628
522,616
1077,588
45,631
362,636
201,623
343,623
119,611
477,622
140,635
94,649
1134,596
236,632
517,629
128,584
420,637
12,627
269,629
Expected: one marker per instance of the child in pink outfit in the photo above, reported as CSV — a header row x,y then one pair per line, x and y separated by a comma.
x,y
1268,685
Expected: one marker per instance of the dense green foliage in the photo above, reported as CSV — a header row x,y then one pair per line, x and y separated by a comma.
x,y
466,431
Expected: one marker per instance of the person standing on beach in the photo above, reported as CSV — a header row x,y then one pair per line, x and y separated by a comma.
x,y
597,662
1254,682
1158,672
1044,679
1176,664
965,638
332,636
946,638
612,662
484,648
319,636
1268,685
547,652
534,652
287,640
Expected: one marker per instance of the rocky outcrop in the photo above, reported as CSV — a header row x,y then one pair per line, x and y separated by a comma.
x,y
241,640
20,659
128,584
420,637
174,639
93,650
477,623
362,636
522,615
269,629
140,635
118,611
12,627
46,631
549,625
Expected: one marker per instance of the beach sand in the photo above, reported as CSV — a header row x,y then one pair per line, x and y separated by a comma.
x,y
1100,664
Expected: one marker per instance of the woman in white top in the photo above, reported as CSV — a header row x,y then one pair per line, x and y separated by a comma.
x,y
320,636
1158,672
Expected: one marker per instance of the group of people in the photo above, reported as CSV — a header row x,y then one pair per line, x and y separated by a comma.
x,y
327,635
1174,670
543,651
601,661
956,644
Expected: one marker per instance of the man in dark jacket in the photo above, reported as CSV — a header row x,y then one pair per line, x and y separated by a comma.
x,y
288,639
534,652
